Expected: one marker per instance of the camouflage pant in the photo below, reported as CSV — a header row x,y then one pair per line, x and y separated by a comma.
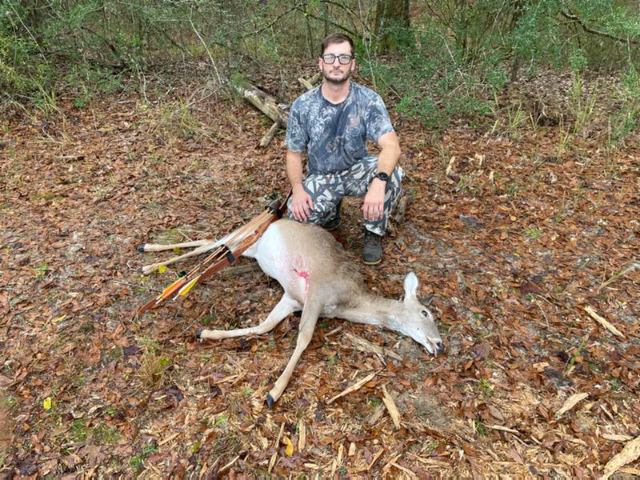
x,y
327,189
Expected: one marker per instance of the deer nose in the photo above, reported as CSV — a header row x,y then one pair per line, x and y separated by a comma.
x,y
440,347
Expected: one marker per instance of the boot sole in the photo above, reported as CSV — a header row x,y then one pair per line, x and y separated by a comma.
x,y
371,263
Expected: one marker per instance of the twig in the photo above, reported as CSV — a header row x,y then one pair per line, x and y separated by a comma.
x,y
268,26
353,388
213,63
632,266
337,25
603,322
575,18
503,429
29,32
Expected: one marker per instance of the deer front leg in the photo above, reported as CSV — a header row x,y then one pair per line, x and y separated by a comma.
x,y
285,306
308,321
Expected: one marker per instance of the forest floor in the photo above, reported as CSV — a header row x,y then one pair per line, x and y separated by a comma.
x,y
518,231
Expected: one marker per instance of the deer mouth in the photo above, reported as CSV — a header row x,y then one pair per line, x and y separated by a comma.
x,y
434,346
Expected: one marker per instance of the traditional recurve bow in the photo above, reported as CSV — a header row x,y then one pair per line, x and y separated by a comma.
x,y
223,255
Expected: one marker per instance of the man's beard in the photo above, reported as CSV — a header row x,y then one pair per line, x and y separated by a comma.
x,y
337,81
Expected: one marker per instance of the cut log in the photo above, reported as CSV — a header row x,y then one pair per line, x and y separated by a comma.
x,y
263,102
267,105
309,84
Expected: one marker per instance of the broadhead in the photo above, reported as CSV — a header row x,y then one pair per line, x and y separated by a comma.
x,y
270,401
140,248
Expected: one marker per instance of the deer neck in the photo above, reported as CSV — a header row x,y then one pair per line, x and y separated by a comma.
x,y
372,310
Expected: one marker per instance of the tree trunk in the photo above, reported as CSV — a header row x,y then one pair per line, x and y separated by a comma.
x,y
390,14
518,9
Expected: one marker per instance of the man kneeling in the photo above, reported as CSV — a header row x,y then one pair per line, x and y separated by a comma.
x,y
332,123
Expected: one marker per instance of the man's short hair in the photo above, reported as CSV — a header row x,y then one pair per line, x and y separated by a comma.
x,y
336,38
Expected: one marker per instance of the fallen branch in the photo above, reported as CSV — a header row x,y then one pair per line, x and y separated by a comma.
x,y
267,105
270,134
263,102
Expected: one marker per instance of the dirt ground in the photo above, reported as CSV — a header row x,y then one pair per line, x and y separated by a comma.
x,y
518,231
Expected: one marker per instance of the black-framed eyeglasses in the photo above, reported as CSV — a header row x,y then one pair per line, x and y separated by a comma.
x,y
330,58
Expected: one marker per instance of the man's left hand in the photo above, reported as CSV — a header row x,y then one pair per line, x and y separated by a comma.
x,y
373,208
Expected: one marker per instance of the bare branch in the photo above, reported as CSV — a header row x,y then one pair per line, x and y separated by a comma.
x,y
587,29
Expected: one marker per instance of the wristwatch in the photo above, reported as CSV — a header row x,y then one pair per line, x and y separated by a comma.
x,y
382,176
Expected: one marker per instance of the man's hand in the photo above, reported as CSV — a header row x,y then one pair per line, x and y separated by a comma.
x,y
301,204
373,208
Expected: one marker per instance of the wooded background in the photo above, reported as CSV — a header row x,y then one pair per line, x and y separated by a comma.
x,y
436,59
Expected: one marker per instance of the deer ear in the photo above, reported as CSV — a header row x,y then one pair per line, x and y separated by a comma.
x,y
426,301
410,285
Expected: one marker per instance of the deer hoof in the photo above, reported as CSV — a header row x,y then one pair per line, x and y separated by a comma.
x,y
140,248
270,401
199,334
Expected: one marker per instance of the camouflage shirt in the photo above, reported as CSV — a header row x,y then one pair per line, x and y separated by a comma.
x,y
335,136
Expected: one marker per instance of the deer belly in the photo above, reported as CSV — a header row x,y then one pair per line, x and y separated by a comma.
x,y
277,261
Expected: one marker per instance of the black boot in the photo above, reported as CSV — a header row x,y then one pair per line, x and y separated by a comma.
x,y
371,248
335,221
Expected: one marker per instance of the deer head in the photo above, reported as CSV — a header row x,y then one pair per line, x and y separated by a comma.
x,y
416,320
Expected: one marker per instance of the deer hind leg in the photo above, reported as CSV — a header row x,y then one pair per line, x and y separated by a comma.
x,y
201,249
310,314
159,247
203,246
285,306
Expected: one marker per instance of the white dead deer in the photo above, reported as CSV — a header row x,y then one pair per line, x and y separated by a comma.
x,y
318,279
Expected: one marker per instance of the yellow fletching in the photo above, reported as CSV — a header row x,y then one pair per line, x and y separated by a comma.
x,y
184,290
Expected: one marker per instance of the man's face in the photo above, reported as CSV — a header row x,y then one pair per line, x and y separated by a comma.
x,y
336,72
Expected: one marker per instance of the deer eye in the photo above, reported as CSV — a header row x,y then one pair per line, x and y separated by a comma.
x,y
425,313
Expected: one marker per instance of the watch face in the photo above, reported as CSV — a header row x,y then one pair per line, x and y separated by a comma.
x,y
383,176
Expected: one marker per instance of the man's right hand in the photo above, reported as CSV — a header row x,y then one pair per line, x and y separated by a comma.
x,y
301,204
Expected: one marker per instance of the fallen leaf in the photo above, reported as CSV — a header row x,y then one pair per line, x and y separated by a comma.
x,y
571,402
289,448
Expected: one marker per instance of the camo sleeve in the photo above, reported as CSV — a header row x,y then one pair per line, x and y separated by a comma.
x,y
297,137
377,119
